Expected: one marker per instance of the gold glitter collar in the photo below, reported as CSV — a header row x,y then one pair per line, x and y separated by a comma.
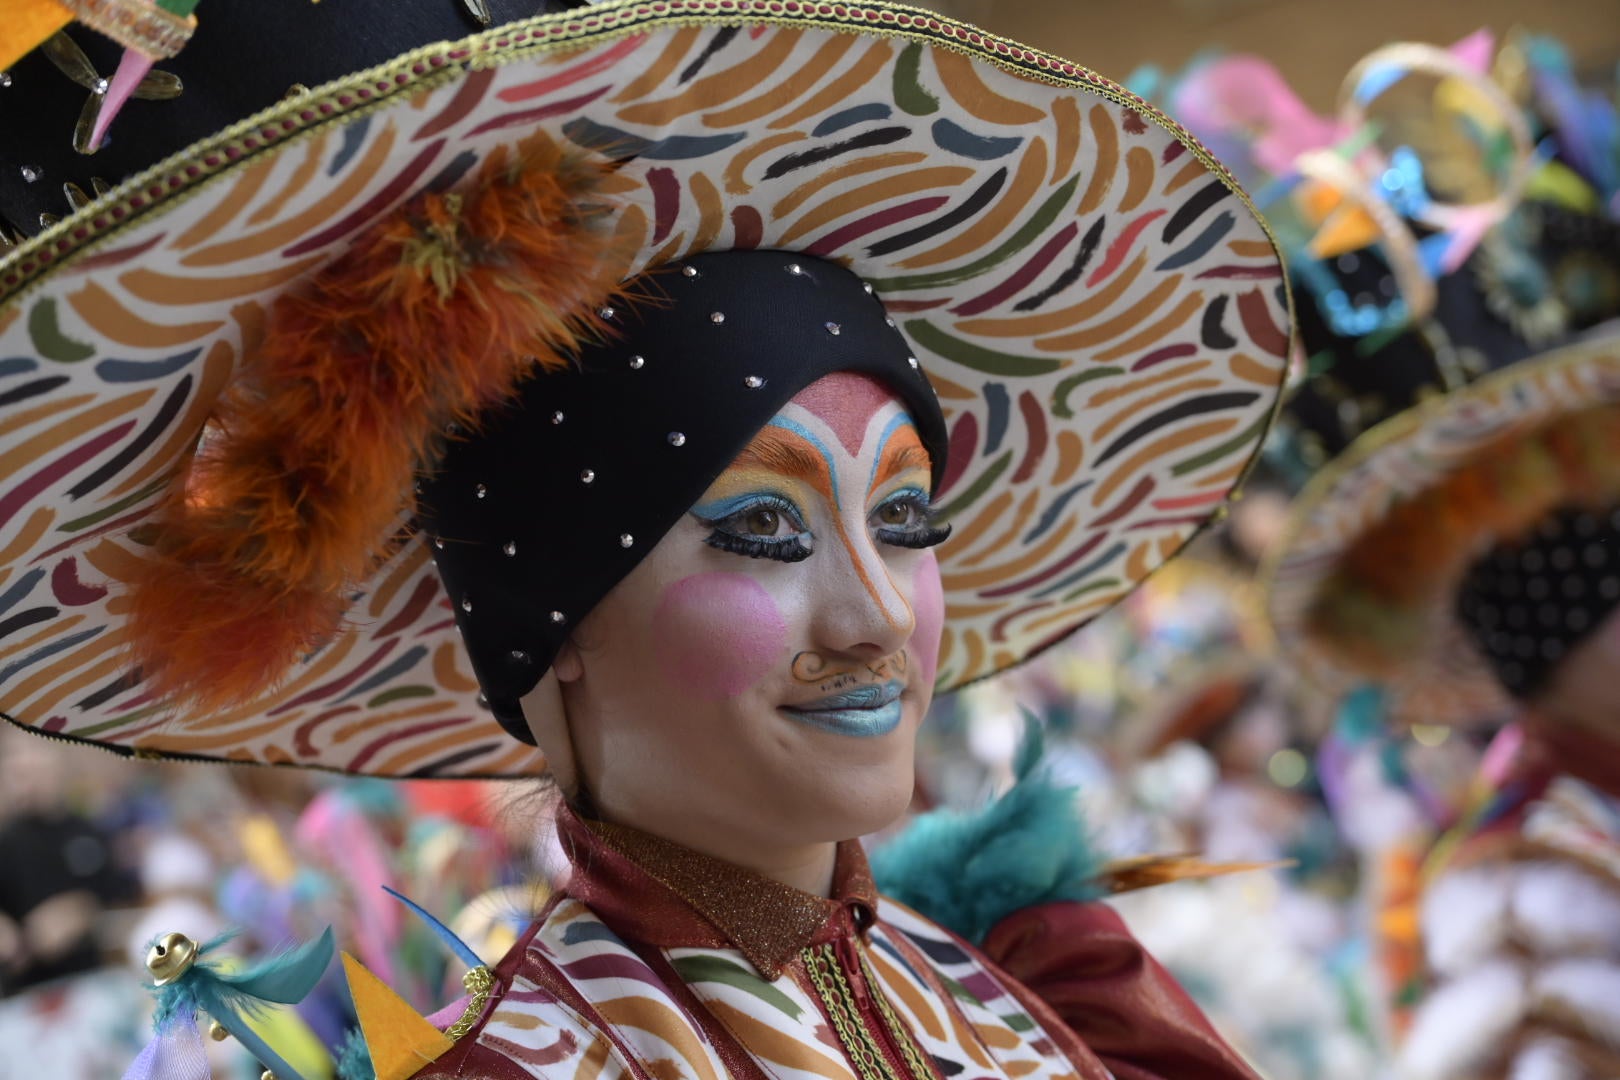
x,y
767,921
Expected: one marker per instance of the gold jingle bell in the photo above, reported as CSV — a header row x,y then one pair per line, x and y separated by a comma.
x,y
170,957
217,1031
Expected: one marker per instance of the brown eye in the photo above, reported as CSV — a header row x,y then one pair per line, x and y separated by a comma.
x,y
895,513
762,523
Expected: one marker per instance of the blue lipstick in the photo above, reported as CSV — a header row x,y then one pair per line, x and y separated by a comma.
x,y
865,711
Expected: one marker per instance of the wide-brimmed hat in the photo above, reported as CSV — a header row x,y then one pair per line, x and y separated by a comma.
x,y
1099,309
1364,589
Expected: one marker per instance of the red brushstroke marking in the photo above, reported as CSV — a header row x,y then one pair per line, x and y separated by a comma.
x,y
1242,273
1026,274
337,685
533,116
747,228
1050,572
78,539
842,237
998,629
1121,247
368,211
413,608
19,496
117,255
1144,487
466,100
1202,499
372,749
1035,421
303,742
600,62
1159,356
964,443
67,588
666,201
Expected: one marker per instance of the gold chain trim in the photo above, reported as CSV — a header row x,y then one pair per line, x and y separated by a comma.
x,y
136,24
914,1058
478,982
828,977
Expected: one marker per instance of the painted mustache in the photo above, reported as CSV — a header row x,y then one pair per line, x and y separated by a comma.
x,y
862,711
811,667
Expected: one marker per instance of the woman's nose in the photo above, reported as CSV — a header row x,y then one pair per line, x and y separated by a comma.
x,y
864,611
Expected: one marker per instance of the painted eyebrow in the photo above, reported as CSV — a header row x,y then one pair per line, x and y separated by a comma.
x,y
785,456
908,457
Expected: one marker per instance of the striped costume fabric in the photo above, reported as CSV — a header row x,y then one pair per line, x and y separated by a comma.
x,y
583,1004
1107,342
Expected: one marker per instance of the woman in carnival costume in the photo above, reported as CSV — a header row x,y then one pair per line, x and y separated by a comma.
x,y
594,397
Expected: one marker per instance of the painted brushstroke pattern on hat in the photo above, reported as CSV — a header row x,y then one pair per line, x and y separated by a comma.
x,y
1104,321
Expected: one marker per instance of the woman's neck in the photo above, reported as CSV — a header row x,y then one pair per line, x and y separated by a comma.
x,y
807,867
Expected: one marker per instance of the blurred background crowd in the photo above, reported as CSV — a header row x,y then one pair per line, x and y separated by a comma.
x,y
1183,722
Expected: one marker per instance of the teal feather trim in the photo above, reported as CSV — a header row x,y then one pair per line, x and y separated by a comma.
x,y
968,871
232,997
354,1059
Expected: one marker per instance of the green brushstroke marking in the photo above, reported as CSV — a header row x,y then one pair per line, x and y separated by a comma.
x,y
108,511
48,339
1032,229
399,693
718,969
977,357
1214,454
978,488
908,90
1090,586
1060,395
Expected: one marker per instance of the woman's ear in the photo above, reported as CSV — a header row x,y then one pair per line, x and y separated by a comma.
x,y
548,723
566,666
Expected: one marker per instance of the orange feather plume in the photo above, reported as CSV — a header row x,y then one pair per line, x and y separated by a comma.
x,y
299,486
1373,610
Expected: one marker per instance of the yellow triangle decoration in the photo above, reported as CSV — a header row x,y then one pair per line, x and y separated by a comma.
x,y
401,1041
1347,229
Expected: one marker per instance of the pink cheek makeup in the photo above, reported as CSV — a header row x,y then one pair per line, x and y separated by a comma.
x,y
717,634
928,609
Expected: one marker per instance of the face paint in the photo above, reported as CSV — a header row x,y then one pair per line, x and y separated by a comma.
x,y
812,668
716,635
766,667
929,605
862,711
846,403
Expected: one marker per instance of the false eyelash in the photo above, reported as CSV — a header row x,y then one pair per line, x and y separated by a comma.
x,y
789,550
926,537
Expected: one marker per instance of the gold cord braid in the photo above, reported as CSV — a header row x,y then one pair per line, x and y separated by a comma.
x,y
478,982
914,1058
835,993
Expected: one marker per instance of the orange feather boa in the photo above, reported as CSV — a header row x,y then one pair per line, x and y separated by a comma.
x,y
300,483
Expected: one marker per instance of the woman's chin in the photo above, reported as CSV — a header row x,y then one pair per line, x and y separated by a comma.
x,y
851,803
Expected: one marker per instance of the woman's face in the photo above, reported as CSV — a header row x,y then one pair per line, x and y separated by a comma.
x,y
759,678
